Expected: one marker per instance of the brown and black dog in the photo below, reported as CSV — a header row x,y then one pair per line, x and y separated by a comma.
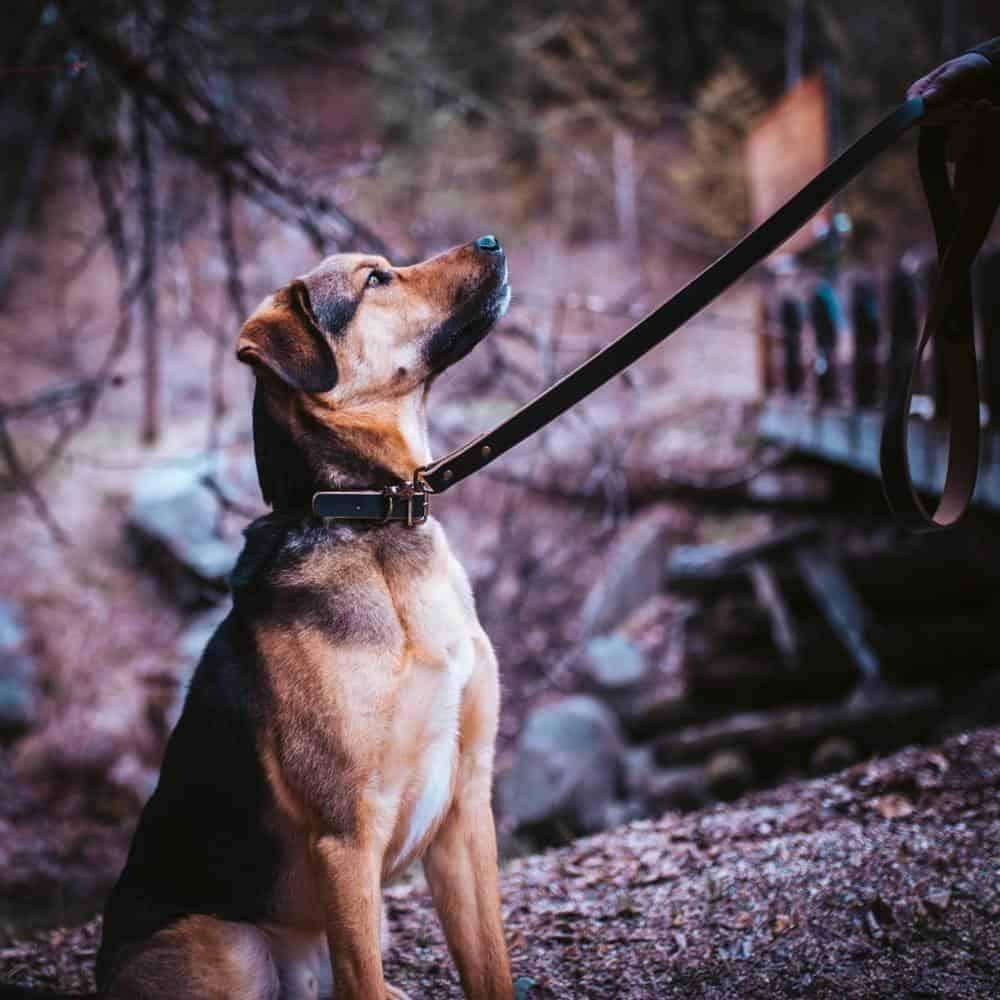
x,y
341,722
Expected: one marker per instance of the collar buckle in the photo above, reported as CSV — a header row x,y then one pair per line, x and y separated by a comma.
x,y
407,493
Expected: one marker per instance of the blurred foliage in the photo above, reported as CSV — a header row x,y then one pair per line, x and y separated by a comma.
x,y
75,70
711,176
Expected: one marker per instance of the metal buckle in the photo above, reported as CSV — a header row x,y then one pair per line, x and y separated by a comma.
x,y
407,492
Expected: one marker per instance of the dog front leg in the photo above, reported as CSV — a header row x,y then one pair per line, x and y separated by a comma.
x,y
352,899
461,869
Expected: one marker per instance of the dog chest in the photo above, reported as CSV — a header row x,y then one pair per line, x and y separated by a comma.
x,y
442,654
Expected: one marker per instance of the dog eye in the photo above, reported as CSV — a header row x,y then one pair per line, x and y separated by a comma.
x,y
377,278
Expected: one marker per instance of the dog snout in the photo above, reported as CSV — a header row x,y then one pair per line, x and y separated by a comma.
x,y
489,244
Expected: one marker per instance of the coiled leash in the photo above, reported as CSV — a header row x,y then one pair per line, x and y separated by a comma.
x,y
953,213
962,213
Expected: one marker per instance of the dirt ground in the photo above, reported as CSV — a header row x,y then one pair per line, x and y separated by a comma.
x,y
882,881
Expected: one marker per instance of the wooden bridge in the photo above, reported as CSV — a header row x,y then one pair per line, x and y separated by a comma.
x,y
828,346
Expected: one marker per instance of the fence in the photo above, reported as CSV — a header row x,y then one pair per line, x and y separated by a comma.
x,y
828,347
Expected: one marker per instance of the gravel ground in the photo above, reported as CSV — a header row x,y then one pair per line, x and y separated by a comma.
x,y
883,881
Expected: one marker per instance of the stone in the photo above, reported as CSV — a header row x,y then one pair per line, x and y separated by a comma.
x,y
567,771
729,774
18,699
613,663
196,635
661,789
635,570
614,669
676,788
173,524
834,754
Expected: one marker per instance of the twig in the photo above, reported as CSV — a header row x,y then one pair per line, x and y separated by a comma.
x,y
26,485
237,303
226,502
147,280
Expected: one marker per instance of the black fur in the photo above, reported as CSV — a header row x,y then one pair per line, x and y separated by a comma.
x,y
334,313
290,468
204,844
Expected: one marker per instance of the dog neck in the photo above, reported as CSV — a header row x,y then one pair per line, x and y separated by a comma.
x,y
302,447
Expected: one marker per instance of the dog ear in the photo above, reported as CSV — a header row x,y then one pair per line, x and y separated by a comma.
x,y
284,337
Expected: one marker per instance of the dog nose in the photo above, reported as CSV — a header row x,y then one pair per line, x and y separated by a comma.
x,y
490,244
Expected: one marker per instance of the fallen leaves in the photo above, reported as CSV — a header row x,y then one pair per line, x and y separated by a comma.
x,y
893,806
938,900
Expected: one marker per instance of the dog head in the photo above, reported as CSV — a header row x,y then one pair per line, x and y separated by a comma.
x,y
350,348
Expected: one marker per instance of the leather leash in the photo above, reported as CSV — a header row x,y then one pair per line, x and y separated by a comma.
x,y
411,501
962,213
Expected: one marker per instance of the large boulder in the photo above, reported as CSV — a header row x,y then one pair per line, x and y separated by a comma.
x,y
174,525
567,772
18,706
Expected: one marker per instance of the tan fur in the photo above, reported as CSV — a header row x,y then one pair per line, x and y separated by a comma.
x,y
378,746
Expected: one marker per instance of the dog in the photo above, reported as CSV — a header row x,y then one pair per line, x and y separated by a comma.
x,y
341,722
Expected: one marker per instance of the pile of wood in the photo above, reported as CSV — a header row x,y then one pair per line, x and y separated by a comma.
x,y
807,649
814,647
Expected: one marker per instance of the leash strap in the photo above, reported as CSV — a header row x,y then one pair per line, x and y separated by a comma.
x,y
962,213
659,324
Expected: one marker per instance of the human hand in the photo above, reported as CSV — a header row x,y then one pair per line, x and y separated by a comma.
x,y
955,84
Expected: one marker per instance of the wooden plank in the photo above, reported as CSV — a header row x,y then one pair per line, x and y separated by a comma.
x,y
696,567
875,722
841,607
851,438
768,593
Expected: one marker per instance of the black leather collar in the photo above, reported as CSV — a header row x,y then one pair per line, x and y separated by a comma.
x,y
406,502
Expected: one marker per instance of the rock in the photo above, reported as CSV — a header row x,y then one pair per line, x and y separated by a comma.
x,y
612,663
614,668
18,706
129,783
661,789
567,770
680,788
729,774
192,641
834,755
173,525
635,570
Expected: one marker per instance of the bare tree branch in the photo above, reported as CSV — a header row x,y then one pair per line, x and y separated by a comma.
x,y
147,279
26,485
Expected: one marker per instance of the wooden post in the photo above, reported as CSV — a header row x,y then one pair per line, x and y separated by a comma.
x,y
790,318
824,314
765,373
626,200
841,607
795,34
865,327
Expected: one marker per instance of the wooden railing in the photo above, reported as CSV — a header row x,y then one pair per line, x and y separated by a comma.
x,y
827,348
